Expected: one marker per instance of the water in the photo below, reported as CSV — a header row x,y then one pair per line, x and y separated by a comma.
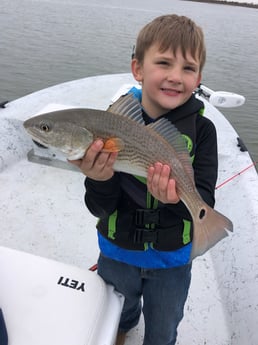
x,y
45,42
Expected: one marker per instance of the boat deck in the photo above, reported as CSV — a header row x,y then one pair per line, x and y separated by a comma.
x,y
42,212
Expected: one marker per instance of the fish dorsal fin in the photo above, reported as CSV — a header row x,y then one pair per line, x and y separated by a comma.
x,y
128,106
173,136
170,133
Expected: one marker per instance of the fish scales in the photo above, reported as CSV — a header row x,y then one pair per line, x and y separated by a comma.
x,y
138,139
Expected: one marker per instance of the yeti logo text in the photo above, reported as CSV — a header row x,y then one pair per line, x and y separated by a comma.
x,y
73,284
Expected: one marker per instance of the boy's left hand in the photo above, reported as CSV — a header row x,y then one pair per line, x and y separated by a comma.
x,y
161,185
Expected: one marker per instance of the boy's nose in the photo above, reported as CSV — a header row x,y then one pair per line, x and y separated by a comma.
x,y
175,76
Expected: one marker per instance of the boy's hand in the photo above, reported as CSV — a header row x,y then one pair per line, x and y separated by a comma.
x,y
95,164
160,185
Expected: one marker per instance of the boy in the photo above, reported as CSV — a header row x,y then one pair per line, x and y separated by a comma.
x,y
154,265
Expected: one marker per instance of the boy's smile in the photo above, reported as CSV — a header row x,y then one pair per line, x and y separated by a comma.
x,y
168,80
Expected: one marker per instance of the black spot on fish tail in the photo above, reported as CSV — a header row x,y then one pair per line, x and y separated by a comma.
x,y
202,213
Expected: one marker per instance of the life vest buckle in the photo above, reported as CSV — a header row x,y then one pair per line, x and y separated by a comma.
x,y
142,235
147,216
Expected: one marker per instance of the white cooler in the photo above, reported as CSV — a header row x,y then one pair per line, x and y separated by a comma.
x,y
48,302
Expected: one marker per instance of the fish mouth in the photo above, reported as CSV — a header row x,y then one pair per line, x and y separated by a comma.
x,y
39,144
35,138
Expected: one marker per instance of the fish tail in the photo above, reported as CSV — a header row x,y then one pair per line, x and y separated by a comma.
x,y
209,230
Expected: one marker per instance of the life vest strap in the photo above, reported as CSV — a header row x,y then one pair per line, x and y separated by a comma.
x,y
142,235
147,216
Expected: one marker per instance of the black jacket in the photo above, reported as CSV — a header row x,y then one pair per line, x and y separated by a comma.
x,y
123,204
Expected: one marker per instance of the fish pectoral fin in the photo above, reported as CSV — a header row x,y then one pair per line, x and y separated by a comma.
x,y
113,145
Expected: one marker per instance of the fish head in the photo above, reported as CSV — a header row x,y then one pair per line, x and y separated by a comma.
x,y
66,136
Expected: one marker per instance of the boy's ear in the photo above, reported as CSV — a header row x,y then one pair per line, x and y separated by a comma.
x,y
136,69
199,79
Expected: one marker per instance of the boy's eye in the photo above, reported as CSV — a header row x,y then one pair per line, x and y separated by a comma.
x,y
190,68
162,62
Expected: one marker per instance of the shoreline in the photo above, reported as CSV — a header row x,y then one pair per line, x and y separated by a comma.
x,y
227,2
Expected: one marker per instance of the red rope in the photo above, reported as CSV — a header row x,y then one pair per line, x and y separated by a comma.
x,y
238,174
93,268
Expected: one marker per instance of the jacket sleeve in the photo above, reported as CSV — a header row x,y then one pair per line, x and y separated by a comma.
x,y
205,166
102,197
205,163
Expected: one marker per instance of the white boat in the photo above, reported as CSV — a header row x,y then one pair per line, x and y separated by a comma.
x,y
48,238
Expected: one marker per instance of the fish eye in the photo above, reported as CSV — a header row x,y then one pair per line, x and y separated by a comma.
x,y
44,127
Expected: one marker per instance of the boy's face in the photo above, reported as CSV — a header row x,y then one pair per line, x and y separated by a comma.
x,y
168,80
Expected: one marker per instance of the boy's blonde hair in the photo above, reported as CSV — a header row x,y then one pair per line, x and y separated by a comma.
x,y
172,32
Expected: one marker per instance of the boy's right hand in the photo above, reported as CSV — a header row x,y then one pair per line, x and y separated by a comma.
x,y
161,185
95,164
